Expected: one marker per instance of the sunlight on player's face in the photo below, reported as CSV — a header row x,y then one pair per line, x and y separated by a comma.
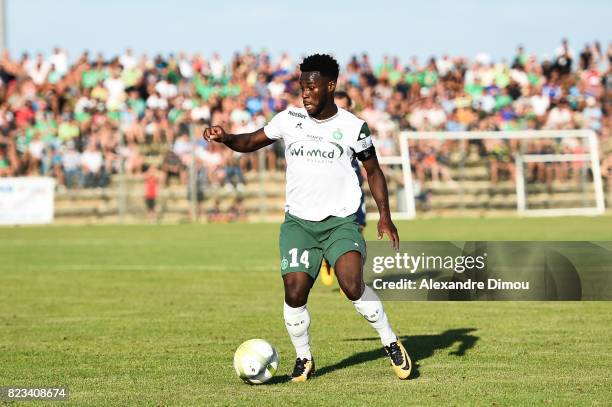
x,y
314,93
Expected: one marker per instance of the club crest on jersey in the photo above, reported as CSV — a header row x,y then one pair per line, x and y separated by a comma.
x,y
337,135
284,264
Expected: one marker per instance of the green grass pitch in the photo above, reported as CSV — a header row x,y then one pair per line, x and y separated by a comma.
x,y
151,315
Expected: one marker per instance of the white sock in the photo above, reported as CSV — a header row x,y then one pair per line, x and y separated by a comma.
x,y
370,306
297,321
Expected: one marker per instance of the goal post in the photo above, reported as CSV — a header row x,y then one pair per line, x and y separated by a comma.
x,y
521,158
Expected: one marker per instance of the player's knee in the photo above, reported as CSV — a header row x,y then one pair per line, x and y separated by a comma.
x,y
353,290
297,287
296,297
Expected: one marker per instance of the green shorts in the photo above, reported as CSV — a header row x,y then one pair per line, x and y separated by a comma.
x,y
304,243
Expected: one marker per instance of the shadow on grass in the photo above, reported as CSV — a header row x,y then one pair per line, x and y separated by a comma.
x,y
279,379
419,347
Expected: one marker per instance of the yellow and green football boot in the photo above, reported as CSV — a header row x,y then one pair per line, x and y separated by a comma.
x,y
400,361
303,369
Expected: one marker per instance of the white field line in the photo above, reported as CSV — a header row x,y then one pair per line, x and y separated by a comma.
x,y
93,242
134,267
142,267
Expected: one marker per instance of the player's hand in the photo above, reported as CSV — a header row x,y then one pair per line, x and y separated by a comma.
x,y
214,133
386,227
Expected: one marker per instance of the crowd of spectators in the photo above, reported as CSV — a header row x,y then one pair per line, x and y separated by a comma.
x,y
78,120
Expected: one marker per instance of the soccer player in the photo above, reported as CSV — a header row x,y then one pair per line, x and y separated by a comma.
x,y
322,196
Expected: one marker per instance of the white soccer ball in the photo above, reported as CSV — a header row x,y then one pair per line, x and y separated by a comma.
x,y
256,361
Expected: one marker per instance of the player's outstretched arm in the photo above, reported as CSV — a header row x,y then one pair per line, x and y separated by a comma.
x,y
243,143
378,187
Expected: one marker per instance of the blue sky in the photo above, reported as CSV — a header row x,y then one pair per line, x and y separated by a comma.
x,y
404,28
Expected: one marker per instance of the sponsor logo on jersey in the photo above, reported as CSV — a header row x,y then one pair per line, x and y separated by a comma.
x,y
299,125
307,150
296,114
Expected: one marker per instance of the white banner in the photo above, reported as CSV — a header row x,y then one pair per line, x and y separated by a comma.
x,y
26,200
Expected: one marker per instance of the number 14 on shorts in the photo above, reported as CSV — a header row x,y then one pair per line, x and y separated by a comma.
x,y
294,258
299,259
293,254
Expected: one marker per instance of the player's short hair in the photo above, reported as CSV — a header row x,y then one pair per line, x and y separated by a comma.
x,y
325,64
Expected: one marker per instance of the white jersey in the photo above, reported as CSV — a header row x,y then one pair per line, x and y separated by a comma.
x,y
320,179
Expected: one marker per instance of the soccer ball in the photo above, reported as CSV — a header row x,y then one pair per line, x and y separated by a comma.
x,y
256,361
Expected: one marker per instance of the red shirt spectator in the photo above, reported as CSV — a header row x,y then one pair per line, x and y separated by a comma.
x,y
24,115
150,185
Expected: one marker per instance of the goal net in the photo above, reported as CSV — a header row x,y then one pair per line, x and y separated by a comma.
x,y
534,173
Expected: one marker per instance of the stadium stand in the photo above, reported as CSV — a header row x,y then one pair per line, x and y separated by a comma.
x,y
98,124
